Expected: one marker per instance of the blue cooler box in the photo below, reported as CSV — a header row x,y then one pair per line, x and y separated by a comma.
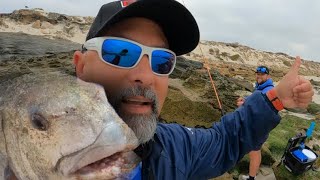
x,y
297,162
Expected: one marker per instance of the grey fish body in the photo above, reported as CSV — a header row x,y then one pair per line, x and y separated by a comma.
x,y
52,126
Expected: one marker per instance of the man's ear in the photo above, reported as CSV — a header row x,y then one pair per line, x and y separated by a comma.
x,y
78,61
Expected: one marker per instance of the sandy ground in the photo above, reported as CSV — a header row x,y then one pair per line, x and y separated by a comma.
x,y
53,31
302,115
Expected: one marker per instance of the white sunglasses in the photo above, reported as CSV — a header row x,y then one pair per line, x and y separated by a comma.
x,y
126,54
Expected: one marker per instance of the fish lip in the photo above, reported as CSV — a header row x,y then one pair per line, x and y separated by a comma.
x,y
118,168
122,139
126,159
69,172
74,171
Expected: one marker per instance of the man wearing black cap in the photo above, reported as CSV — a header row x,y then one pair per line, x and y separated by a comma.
x,y
153,32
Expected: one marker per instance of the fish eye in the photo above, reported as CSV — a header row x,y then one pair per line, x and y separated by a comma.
x,y
39,122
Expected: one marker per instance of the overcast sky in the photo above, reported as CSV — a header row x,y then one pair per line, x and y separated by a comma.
x,y
288,26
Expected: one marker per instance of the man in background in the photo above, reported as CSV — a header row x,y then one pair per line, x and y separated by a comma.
x,y
263,83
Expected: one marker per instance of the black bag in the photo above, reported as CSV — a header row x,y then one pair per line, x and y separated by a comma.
x,y
293,160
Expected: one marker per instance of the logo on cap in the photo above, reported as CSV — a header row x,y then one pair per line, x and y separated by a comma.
x,y
126,3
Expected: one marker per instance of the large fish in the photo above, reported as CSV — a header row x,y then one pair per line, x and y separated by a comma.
x,y
54,126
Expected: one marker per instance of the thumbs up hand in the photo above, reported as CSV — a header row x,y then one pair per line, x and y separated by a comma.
x,y
293,90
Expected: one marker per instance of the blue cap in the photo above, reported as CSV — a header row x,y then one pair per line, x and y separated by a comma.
x,y
262,69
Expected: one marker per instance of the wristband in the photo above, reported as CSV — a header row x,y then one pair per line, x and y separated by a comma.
x,y
272,96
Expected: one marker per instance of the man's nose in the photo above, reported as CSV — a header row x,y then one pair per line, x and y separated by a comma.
x,y
142,73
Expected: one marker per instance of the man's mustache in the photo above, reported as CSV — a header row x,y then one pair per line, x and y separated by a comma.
x,y
126,93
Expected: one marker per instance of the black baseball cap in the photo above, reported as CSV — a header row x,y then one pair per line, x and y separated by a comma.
x,y
177,23
262,69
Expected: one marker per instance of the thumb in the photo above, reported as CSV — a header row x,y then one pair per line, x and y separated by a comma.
x,y
295,67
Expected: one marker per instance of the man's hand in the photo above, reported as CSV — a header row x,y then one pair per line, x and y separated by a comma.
x,y
293,90
240,101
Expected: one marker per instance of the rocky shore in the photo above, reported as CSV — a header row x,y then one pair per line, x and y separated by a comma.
x,y
33,39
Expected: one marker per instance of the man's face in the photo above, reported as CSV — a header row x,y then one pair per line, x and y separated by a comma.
x,y
136,94
262,77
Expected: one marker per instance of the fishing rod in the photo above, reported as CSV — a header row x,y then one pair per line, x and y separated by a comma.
x,y
211,80
206,65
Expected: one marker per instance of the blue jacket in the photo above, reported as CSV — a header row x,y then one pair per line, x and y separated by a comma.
x,y
177,152
264,87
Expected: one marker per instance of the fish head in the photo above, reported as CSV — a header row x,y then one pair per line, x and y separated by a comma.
x,y
57,126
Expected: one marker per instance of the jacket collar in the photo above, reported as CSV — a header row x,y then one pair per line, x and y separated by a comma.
x,y
268,82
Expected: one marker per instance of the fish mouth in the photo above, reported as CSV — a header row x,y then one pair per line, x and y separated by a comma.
x,y
97,164
109,156
117,165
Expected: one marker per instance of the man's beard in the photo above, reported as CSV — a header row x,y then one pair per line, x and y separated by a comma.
x,y
261,82
143,125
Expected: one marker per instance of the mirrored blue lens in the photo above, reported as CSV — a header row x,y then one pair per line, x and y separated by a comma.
x,y
162,62
126,54
120,53
261,69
